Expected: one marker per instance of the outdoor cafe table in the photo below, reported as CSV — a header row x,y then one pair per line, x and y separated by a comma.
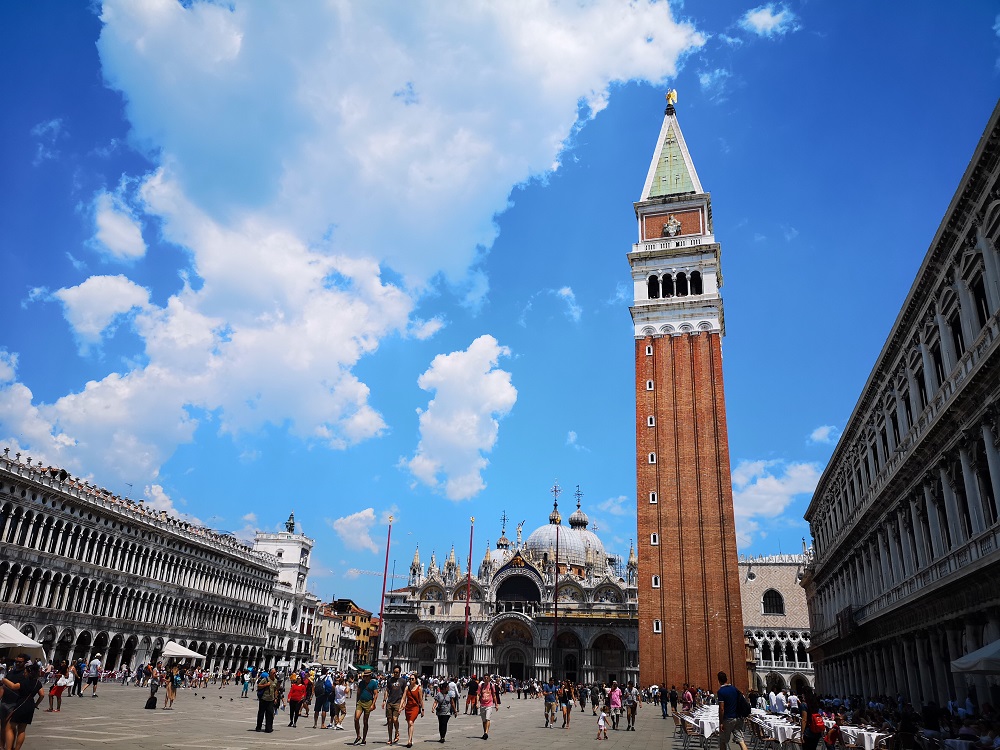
x,y
705,721
778,728
862,737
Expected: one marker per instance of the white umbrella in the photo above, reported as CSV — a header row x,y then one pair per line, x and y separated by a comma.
x,y
984,661
174,650
14,639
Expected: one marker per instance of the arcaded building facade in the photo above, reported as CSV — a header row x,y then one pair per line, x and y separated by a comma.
x,y
776,621
533,612
905,517
690,616
85,572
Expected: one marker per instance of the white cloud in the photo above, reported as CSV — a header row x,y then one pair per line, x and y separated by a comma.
x,y
770,20
996,30
790,232
47,134
8,367
573,310
272,128
618,506
826,434
461,423
623,293
764,489
355,530
91,307
713,83
572,441
424,329
157,498
118,233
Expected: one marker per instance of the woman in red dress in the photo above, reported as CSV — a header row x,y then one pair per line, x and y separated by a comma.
x,y
413,706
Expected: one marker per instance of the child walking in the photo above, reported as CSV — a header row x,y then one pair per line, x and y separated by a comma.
x,y
602,724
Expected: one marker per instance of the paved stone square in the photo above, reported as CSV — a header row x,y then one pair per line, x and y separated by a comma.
x,y
220,720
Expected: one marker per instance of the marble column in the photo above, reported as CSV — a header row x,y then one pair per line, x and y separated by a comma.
x,y
973,642
901,420
972,491
919,544
938,548
992,459
883,551
912,669
948,355
955,525
906,553
967,312
954,652
991,267
924,666
930,372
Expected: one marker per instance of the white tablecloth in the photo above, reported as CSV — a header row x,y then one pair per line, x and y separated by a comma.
x,y
785,732
705,722
862,737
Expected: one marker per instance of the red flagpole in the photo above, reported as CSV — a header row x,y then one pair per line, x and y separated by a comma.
x,y
468,592
385,576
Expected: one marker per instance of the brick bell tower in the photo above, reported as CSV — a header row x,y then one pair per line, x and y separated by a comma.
x,y
690,617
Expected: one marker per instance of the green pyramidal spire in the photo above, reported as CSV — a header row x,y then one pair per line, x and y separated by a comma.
x,y
671,172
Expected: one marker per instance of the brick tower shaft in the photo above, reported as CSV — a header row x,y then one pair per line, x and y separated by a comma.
x,y
690,616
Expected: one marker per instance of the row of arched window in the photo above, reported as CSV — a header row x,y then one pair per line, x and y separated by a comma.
x,y
674,285
75,541
44,589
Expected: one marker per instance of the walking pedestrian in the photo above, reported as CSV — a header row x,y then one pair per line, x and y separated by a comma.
x,y
323,690
602,724
632,700
266,693
27,688
413,706
296,696
58,687
442,707
367,695
93,674
730,722
392,702
615,700
488,700
549,690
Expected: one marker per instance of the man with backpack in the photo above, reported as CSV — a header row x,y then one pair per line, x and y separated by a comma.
x,y
323,690
733,708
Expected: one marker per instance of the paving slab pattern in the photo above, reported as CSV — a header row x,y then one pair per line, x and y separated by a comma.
x,y
217,719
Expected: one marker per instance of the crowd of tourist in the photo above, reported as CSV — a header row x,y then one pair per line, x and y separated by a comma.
x,y
329,696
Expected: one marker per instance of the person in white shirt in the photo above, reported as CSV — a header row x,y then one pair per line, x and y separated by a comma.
x,y
793,703
772,702
93,675
779,702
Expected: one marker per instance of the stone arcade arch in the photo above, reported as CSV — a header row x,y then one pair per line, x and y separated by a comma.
x,y
422,648
567,657
608,654
459,651
514,647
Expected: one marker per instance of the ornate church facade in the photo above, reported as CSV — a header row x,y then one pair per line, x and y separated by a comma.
x,y
553,605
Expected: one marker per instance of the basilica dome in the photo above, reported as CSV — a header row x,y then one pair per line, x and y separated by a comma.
x,y
573,542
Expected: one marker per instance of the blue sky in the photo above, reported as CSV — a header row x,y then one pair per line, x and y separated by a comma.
x,y
353,260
